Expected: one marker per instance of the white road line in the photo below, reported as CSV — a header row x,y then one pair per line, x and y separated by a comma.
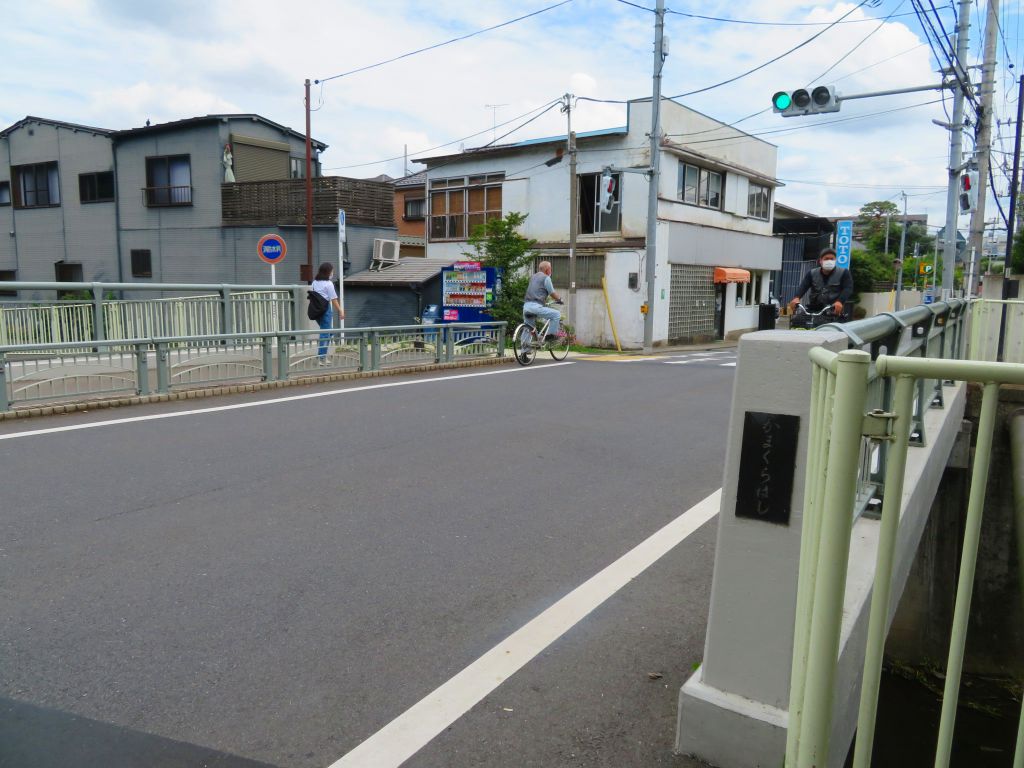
x,y
404,736
681,362
273,401
728,365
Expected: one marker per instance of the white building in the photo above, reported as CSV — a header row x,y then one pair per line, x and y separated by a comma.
x,y
715,245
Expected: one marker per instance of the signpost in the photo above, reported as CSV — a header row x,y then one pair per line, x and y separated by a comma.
x,y
272,249
844,241
342,236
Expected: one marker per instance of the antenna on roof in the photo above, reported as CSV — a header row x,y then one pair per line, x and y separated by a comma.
x,y
147,122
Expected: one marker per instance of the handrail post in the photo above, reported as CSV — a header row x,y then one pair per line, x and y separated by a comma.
x,y
98,331
374,350
268,357
501,340
449,344
968,563
5,403
881,591
362,352
833,556
142,368
226,318
283,360
162,374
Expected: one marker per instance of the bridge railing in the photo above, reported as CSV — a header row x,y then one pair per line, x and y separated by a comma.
x,y
206,310
840,418
36,373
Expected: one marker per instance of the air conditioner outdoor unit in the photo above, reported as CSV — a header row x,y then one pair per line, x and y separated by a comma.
x,y
385,253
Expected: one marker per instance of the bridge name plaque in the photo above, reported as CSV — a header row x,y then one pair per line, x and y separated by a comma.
x,y
767,464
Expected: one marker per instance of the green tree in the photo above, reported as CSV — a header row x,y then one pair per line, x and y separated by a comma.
x,y
497,243
872,218
869,268
1017,254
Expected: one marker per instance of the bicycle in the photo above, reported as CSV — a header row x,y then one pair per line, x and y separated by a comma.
x,y
527,340
805,320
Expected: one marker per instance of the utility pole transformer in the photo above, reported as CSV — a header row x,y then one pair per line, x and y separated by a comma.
x,y
955,144
984,143
655,174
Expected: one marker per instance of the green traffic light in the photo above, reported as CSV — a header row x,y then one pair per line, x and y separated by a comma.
x,y
781,100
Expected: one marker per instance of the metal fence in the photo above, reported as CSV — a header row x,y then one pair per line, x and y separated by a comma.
x,y
72,371
218,309
844,416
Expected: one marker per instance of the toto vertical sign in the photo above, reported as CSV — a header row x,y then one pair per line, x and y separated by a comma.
x,y
844,241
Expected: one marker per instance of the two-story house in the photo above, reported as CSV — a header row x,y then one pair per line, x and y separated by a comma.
x,y
179,202
715,247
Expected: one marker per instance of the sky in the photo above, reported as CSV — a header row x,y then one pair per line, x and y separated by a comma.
x,y
117,63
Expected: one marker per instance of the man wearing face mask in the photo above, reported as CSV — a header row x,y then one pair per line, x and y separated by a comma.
x,y
827,285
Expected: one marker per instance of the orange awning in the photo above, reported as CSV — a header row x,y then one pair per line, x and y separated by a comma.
x,y
731,275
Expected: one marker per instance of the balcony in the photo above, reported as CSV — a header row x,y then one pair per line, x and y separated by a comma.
x,y
252,203
166,197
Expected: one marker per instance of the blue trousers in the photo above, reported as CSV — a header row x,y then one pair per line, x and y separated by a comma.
x,y
326,321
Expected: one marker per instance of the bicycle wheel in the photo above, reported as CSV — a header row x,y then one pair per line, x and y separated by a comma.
x,y
559,348
524,344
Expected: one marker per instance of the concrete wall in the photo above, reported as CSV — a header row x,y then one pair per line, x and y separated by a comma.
x,y
34,239
876,303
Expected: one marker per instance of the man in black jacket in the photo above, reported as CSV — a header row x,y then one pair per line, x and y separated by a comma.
x,y
825,285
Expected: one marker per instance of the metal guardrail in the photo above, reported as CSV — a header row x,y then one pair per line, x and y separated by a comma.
x,y
141,366
218,309
842,419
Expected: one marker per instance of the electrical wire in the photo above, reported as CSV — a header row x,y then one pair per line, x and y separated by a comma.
x,y
446,42
797,47
447,143
767,23
866,37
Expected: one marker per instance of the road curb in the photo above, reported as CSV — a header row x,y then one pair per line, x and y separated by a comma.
x,y
32,411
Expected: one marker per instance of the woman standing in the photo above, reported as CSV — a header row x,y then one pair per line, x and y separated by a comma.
x,y
323,285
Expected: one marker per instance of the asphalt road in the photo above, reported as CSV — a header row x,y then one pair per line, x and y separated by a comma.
x,y
271,585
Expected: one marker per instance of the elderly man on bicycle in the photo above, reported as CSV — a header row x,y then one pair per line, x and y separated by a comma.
x,y
826,286
537,293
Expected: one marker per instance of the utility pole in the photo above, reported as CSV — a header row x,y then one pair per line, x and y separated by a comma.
x,y
573,206
955,144
903,245
984,142
887,234
309,194
655,178
1011,216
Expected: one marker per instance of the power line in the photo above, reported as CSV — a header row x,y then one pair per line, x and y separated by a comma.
x,y
446,42
769,23
447,143
797,47
865,186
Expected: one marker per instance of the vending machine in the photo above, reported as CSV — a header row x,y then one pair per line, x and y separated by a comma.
x,y
468,291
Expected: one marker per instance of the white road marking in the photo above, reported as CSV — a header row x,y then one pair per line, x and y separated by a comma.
x,y
728,365
681,362
273,401
408,733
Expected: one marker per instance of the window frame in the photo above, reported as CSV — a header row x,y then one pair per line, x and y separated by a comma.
x,y
407,216
767,197
701,195
151,196
9,201
455,220
599,216
94,177
140,253
19,193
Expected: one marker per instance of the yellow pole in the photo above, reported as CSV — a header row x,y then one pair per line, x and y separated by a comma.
x,y
611,320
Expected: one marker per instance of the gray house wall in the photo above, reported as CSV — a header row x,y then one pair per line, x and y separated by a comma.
x,y
32,240
187,244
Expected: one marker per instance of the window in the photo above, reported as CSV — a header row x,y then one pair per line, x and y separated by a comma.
x,y
37,186
298,168
458,206
96,187
142,263
592,219
168,181
759,201
415,208
7,276
5,193
589,269
700,186
749,294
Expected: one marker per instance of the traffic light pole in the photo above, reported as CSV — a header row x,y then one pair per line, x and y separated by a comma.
x,y
655,177
955,159
984,143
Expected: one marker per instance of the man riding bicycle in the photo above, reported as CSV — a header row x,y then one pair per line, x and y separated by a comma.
x,y
827,285
537,293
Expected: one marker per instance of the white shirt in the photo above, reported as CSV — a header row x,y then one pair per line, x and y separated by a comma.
x,y
325,288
